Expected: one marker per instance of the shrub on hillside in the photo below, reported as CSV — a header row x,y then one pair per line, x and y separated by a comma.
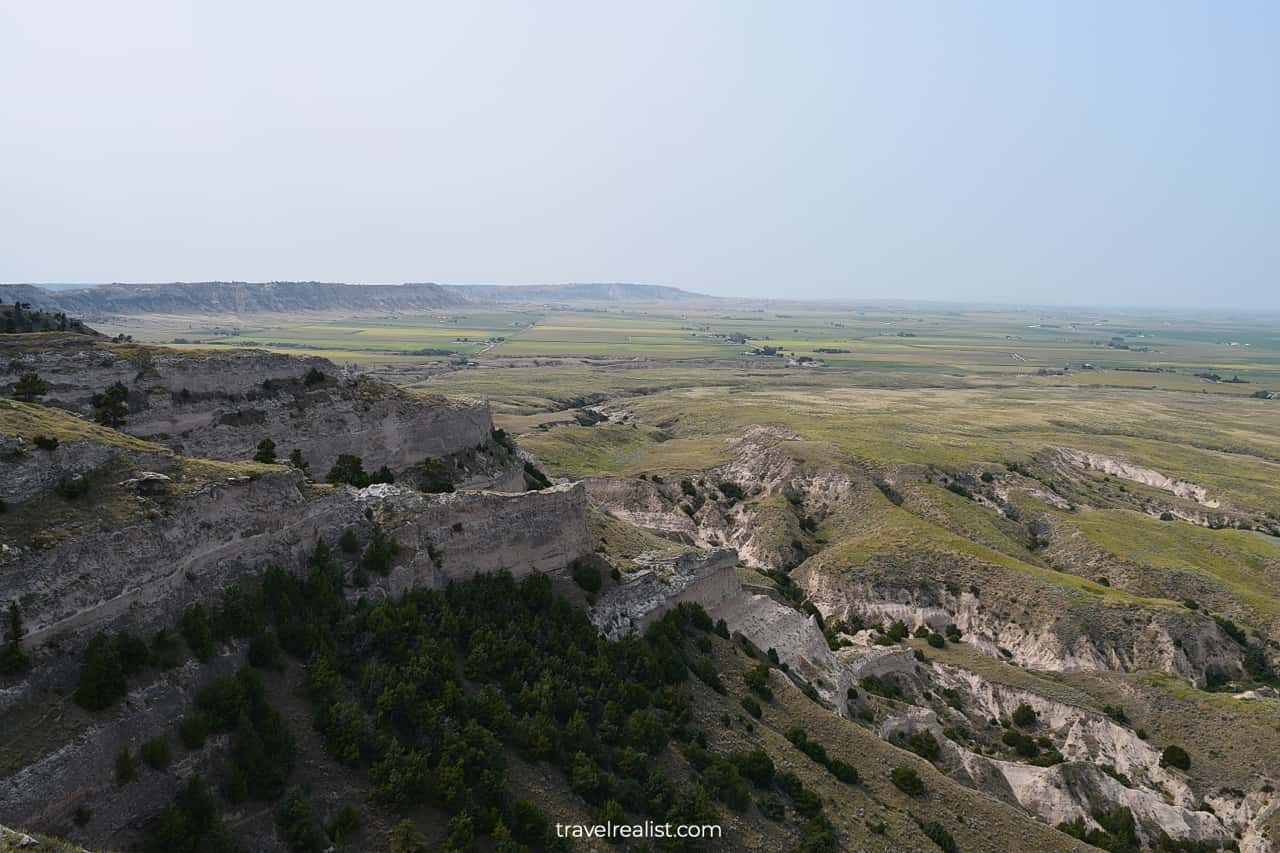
x,y
29,387
433,477
586,574
907,780
102,680
348,469
1175,756
922,743
266,452
156,753
1024,716
757,680
111,407
843,771
938,835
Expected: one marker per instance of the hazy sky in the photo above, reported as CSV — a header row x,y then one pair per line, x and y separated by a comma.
x,y
1077,152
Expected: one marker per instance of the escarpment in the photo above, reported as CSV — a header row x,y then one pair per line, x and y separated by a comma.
x,y
235,297
1045,631
707,579
221,405
766,503
107,534
1137,474
145,575
181,548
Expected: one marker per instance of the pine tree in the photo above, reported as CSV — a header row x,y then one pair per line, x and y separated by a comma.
x,y
112,405
266,451
12,660
348,469
405,838
102,680
28,387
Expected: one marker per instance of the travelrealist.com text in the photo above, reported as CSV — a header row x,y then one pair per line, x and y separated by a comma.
x,y
648,829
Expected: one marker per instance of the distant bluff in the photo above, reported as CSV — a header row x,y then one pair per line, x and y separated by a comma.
x,y
219,404
228,297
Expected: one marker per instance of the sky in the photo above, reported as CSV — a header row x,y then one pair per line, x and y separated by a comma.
x,y
1058,153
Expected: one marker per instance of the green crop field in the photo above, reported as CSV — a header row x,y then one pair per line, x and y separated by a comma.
x,y
1122,350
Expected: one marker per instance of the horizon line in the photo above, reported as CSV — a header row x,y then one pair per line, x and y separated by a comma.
x,y
838,300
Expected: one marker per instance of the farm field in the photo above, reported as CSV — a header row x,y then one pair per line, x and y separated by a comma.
x,y
1160,350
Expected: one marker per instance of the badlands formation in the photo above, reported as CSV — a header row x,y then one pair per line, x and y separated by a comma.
x,y
124,528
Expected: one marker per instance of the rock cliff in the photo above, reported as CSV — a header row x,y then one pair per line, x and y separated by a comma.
x,y
220,405
238,297
145,561
708,579
233,297
1053,635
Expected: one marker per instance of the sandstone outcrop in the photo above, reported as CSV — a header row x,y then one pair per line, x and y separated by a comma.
x,y
1065,637
1137,474
188,546
221,404
708,579
27,471
47,792
785,492
643,504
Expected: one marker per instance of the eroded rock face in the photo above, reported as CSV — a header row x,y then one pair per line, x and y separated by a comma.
x,y
456,536
794,636
763,531
219,405
764,464
643,504
1137,474
47,792
1059,637
705,578
200,539
1066,792
1079,734
1160,799
146,573
27,471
